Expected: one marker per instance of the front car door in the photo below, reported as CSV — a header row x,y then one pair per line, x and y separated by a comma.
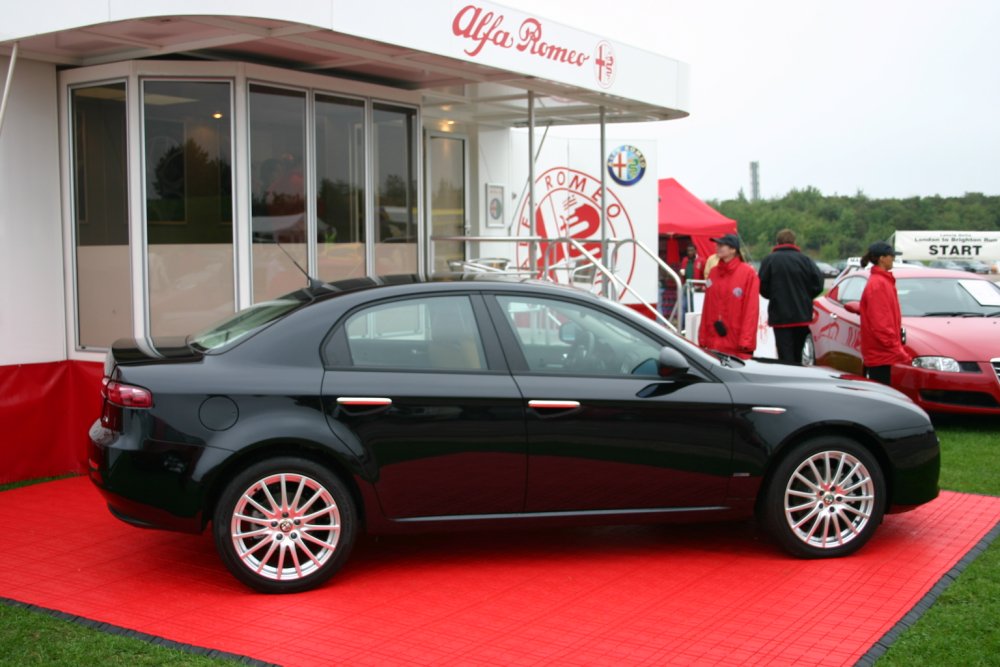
x,y
605,432
421,390
837,338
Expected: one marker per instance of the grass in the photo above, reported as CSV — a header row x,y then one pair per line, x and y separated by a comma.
x,y
959,629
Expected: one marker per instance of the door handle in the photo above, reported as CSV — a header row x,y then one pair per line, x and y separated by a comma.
x,y
553,405
363,401
360,406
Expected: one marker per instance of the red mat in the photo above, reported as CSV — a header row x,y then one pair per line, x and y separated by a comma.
x,y
652,595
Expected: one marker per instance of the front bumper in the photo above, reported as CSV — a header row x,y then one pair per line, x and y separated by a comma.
x,y
956,393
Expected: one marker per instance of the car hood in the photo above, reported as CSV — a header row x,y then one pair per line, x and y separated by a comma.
x,y
772,372
962,338
834,394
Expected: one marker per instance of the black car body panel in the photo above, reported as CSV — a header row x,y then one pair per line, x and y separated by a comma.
x,y
506,442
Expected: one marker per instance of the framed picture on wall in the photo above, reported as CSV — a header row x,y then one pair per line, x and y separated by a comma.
x,y
495,209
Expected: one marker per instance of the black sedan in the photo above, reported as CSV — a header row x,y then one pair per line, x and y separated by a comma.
x,y
397,405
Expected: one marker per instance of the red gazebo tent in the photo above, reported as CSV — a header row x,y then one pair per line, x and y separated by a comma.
x,y
680,213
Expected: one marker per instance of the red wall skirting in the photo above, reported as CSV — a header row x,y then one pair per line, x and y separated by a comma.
x,y
45,413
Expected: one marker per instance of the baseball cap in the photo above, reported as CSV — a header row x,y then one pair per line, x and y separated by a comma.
x,y
881,248
731,240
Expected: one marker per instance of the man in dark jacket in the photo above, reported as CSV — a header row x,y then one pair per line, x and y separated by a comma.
x,y
789,280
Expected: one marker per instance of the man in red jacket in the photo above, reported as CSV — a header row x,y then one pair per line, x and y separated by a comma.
x,y
732,303
881,321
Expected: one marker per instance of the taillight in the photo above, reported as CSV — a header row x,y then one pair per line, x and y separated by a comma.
x,y
126,395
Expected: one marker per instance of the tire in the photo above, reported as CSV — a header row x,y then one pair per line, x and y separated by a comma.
x,y
825,498
285,525
808,351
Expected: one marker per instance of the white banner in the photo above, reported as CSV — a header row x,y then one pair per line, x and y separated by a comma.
x,y
947,245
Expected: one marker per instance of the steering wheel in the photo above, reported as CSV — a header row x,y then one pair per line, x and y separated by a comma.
x,y
581,354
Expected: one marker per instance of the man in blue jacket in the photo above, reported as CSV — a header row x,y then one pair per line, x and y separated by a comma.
x,y
789,280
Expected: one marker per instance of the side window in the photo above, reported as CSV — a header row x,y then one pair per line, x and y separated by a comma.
x,y
566,338
851,289
434,333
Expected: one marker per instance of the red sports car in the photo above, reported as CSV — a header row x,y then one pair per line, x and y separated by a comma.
x,y
952,323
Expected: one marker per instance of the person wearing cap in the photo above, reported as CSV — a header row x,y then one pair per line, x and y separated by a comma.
x,y
881,321
732,303
789,280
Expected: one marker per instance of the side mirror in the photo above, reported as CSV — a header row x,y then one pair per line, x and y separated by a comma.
x,y
671,363
853,307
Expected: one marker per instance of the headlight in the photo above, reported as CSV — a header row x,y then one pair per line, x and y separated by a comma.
x,y
944,364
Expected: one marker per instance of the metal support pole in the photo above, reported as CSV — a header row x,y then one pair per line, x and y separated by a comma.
x,y
6,85
533,261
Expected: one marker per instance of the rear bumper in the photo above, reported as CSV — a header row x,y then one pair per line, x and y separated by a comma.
x,y
149,484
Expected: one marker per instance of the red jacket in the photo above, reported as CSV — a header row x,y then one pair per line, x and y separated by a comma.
x,y
881,343
732,296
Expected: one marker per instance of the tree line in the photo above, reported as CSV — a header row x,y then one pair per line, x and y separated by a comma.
x,y
835,227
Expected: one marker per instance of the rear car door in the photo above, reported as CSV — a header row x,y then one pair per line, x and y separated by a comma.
x,y
421,391
605,432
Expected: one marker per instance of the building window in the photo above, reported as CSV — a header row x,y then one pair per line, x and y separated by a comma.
x,y
187,155
340,187
100,214
278,203
394,151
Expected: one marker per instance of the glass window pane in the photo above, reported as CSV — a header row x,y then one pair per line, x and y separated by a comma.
x,y
436,334
278,205
560,337
340,189
187,140
100,187
446,162
395,178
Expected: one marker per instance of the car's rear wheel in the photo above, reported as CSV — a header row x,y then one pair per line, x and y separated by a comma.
x,y
808,351
825,498
285,525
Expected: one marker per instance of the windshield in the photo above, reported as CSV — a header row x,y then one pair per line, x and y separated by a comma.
x,y
246,322
940,297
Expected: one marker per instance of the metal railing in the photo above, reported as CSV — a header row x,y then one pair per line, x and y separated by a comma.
x,y
580,267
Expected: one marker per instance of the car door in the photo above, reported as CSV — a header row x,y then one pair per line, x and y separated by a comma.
x,y
421,391
837,332
605,432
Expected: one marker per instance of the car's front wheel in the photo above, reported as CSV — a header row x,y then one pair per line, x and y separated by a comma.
x,y
284,525
825,498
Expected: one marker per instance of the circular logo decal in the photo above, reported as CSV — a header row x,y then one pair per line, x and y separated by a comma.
x,y
496,208
569,205
626,165
604,64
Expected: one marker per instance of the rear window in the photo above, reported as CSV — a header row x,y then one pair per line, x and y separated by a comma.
x,y
246,322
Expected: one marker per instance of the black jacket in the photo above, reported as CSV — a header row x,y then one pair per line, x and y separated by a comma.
x,y
789,280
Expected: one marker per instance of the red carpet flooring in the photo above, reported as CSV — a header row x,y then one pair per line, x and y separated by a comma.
x,y
713,594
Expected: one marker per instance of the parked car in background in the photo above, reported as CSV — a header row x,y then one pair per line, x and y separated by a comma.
x,y
952,322
828,270
950,264
395,405
974,265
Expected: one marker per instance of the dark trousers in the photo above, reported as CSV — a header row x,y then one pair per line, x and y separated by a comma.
x,y
789,341
881,374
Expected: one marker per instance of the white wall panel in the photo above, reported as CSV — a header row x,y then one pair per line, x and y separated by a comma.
x,y
32,304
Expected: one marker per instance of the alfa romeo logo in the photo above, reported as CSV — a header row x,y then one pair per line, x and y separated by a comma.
x,y
569,205
626,165
604,64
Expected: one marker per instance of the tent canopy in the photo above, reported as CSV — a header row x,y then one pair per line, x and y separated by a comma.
x,y
680,213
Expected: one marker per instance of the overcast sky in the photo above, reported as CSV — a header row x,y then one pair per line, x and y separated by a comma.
x,y
894,98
